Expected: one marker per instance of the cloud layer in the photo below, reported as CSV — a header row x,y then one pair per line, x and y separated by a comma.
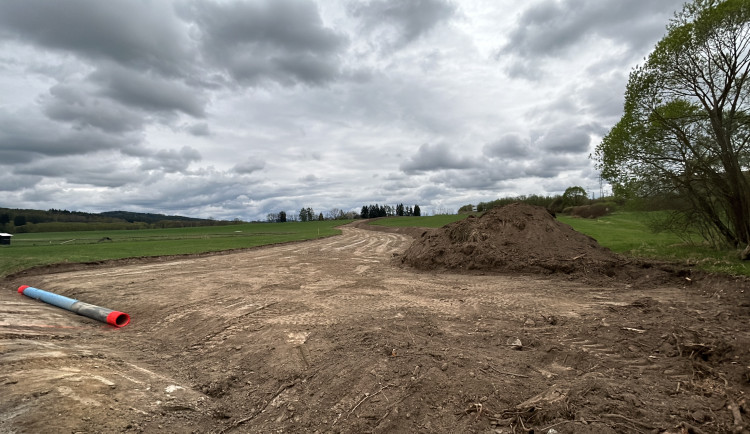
x,y
238,108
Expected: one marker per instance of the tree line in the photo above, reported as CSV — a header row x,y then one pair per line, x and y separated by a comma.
x,y
562,203
307,214
375,211
61,220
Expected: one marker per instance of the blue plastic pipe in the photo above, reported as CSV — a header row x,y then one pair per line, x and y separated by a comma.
x,y
113,317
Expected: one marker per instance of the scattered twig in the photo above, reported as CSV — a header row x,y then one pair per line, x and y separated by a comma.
x,y
507,373
691,429
545,429
261,308
735,409
677,344
385,396
631,329
704,368
634,422
520,419
382,418
366,398
475,407
410,335
282,388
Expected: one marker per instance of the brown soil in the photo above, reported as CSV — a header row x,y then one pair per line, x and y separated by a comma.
x,y
332,336
520,238
512,238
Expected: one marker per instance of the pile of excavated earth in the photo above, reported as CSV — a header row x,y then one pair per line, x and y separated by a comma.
x,y
515,238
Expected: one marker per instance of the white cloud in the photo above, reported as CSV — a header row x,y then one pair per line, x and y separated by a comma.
x,y
239,108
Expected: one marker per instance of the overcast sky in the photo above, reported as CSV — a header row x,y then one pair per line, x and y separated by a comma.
x,y
238,108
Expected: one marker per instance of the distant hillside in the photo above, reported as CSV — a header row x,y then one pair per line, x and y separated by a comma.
x,y
146,217
55,220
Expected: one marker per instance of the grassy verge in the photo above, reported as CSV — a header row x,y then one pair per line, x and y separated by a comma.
x,y
626,233
29,250
420,222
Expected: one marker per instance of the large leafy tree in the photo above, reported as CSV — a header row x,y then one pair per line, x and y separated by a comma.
x,y
686,124
574,196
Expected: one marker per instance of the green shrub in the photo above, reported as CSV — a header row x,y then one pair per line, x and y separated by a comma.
x,y
589,211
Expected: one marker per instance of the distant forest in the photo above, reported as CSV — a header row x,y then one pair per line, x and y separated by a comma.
x,y
574,201
60,220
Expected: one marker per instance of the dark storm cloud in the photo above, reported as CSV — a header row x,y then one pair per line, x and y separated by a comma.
x,y
144,34
524,68
83,109
200,129
564,139
603,95
408,19
191,192
15,182
430,191
511,158
248,166
74,170
10,157
273,40
551,165
496,173
171,160
23,139
435,157
463,180
509,146
148,92
550,27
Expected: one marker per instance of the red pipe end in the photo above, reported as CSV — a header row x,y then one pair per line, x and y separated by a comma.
x,y
118,319
21,288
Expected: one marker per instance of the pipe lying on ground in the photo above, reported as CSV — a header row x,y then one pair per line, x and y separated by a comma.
x,y
113,317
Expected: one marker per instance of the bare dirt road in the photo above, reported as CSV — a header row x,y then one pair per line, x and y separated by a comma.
x,y
332,336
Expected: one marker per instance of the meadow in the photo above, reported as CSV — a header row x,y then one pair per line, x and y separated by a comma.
x,y
623,232
628,233
435,221
35,249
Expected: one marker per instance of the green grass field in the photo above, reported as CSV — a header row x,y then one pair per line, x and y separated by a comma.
x,y
628,233
29,250
420,222
623,232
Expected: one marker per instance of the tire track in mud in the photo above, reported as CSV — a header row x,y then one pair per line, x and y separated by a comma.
x,y
305,294
292,285
232,326
54,377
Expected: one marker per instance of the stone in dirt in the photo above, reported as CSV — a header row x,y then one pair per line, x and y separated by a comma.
x,y
514,238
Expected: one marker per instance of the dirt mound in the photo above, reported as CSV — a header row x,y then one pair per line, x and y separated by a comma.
x,y
513,238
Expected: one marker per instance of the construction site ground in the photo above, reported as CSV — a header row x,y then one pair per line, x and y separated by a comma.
x,y
336,335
